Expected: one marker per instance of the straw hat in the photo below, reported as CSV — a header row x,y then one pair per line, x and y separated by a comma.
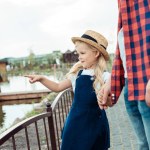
x,y
96,40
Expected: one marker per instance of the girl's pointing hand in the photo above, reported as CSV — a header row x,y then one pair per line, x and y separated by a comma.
x,y
34,78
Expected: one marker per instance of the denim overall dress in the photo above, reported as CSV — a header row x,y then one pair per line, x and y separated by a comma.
x,y
86,127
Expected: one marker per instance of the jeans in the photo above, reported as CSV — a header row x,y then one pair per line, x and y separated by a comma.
x,y
139,115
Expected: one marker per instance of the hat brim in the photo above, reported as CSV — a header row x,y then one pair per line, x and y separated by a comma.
x,y
92,43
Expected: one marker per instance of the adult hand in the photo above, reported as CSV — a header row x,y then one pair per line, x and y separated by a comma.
x,y
34,78
147,95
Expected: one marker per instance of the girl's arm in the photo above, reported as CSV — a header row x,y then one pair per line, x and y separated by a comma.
x,y
53,86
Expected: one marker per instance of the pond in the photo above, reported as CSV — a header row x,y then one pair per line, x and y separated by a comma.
x,y
12,110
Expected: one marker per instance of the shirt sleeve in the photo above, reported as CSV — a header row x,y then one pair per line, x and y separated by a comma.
x,y
106,75
72,78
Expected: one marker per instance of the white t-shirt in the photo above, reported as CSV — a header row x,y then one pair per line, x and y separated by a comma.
x,y
122,50
105,76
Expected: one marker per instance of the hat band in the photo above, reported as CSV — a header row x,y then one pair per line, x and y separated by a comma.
x,y
92,39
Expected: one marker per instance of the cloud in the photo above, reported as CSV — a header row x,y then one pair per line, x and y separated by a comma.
x,y
46,25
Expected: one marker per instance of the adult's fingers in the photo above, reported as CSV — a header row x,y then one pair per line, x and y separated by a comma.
x,y
105,95
147,98
101,106
147,95
105,107
100,96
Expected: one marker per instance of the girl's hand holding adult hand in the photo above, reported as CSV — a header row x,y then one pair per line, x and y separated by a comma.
x,y
104,98
107,104
100,100
34,78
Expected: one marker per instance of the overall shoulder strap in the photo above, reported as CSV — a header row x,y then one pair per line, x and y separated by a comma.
x,y
79,73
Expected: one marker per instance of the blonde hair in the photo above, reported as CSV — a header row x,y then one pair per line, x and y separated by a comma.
x,y
98,70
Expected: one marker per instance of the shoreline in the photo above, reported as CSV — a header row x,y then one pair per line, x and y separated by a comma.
x,y
37,109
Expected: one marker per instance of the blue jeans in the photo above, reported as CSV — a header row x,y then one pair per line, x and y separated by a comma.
x,y
139,115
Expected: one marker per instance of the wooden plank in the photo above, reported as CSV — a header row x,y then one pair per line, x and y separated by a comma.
x,y
23,95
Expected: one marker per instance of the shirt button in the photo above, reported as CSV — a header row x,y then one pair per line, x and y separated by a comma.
x,y
112,94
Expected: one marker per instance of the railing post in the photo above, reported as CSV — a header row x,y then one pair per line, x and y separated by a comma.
x,y
51,127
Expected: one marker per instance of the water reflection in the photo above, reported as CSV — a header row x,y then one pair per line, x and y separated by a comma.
x,y
20,83
12,110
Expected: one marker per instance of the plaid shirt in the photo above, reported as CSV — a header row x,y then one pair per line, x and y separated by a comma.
x,y
134,17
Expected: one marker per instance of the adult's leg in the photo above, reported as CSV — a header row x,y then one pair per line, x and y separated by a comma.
x,y
145,114
136,120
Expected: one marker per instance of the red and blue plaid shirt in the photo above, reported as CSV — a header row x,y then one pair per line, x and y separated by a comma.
x,y
134,17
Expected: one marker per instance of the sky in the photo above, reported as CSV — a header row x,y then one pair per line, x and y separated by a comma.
x,y
43,26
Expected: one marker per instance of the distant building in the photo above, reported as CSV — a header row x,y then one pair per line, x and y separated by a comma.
x,y
42,59
3,70
70,56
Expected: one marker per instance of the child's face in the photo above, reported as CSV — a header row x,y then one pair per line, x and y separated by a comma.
x,y
87,56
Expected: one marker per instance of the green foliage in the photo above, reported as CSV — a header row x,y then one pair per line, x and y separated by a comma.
x,y
34,112
34,63
51,96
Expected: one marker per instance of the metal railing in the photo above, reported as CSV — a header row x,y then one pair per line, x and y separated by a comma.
x,y
42,131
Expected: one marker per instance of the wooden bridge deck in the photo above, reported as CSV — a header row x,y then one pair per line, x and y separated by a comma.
x,y
23,95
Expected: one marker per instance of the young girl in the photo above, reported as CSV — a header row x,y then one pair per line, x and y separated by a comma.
x,y
86,127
